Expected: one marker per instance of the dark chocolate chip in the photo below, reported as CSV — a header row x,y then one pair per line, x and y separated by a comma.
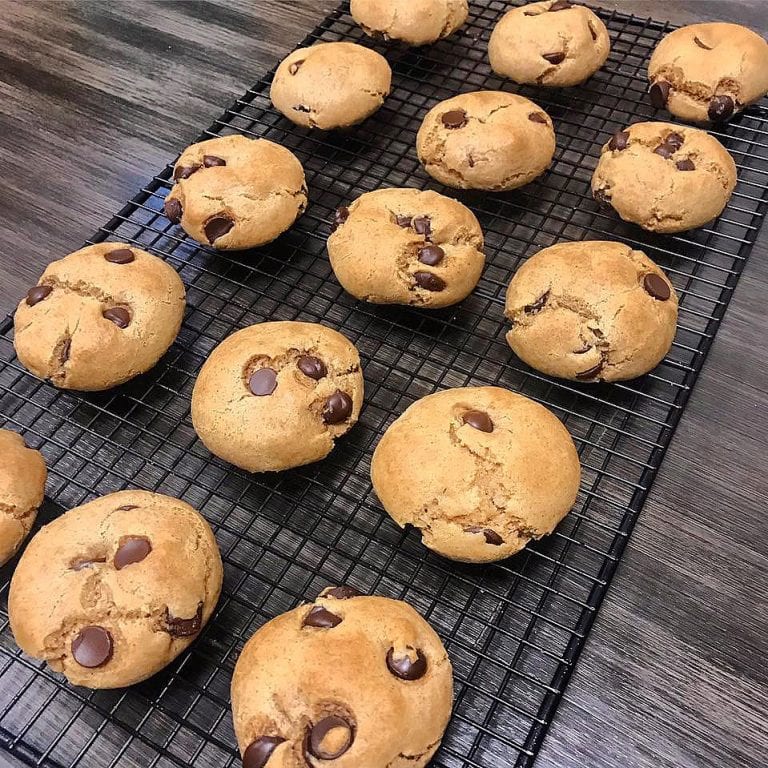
x,y
479,420
560,5
260,750
701,45
538,117
659,93
403,221
422,225
342,592
317,743
321,618
405,668
92,647
263,382
173,210
455,118
294,67
37,294
538,305
491,537
429,282
120,316
120,256
431,255
720,108
665,150
132,549
337,407
217,227
592,30
311,366
211,161
340,215
619,141
302,108
184,627
685,165
675,140
126,507
85,562
656,286
591,373
184,171
557,57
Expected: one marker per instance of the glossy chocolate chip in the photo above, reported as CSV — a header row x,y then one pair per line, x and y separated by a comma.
x,y
406,668
455,118
701,44
659,93
211,161
560,5
217,227
92,647
263,382
538,305
85,562
340,215
556,57
422,225
120,256
311,366
120,316
184,171
591,373
178,627
329,738
173,210
295,66
132,549
720,108
403,221
538,117
431,255
619,141
685,165
260,750
491,537
321,618
429,282
337,408
37,294
342,592
656,286
479,420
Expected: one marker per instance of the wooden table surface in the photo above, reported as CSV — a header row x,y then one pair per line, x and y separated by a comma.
x,y
96,96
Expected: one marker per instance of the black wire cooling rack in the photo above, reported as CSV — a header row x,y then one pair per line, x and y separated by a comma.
x,y
514,630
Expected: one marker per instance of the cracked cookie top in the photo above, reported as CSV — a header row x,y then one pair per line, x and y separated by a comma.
x,y
22,488
414,22
591,311
348,681
480,471
99,316
404,246
488,140
277,395
664,177
330,85
708,72
112,591
554,43
234,193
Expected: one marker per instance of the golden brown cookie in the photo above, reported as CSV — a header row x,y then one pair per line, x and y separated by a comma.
x,y
414,22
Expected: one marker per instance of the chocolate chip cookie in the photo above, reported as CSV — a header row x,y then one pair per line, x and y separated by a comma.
x,y
234,193
98,317
112,591
708,72
591,311
480,471
403,246
554,43
22,488
486,140
664,177
351,680
277,395
414,22
330,85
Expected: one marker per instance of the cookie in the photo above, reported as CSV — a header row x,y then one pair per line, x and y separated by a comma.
x,y
664,177
486,140
350,681
591,311
22,488
554,43
111,592
98,317
234,193
330,85
403,246
277,395
479,471
413,22
708,72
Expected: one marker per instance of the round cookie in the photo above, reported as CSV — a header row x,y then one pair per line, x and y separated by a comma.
x,y
22,489
591,311
708,72
664,177
99,316
277,395
488,140
112,591
480,471
554,43
330,85
234,193
414,22
403,246
350,680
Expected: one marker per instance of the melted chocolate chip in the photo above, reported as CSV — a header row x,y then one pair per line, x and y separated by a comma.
x,y
260,750
720,108
342,592
429,282
560,5
132,549
403,221
491,537
685,165
455,118
85,562
263,382
405,668
480,420
120,316
340,215
659,93
92,647
590,373
701,45
431,255
120,256
184,627
557,57
313,367
217,227
321,618
294,67
173,210
211,161
37,294
619,141
184,171
538,117
329,738
337,407
656,286
422,225
538,305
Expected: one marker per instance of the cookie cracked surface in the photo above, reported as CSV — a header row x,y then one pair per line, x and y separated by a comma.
x,y
480,471
414,22
112,591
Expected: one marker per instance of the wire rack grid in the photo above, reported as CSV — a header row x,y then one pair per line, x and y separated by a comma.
x,y
514,630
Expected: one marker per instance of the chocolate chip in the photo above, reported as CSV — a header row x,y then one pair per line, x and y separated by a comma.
x,y
538,305
342,592
592,30
406,668
321,618
675,140
422,225
700,44
37,294
302,108
429,282
217,227
656,286
132,549
603,196
720,108
120,316
491,537
260,750
263,382
184,627
560,5
431,255
538,117
92,647
173,210
659,93
329,738
558,57
211,161
85,562
619,141
665,150
313,367
294,67
340,215
455,118
120,256
470,161
337,407
403,221
184,171
479,420
591,373
685,165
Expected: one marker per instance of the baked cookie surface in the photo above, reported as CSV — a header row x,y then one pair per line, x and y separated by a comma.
x,y
22,489
330,85
234,193
277,395
414,22
664,177
591,311
480,471
112,591
554,43
404,246
488,140
348,681
708,72
99,316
